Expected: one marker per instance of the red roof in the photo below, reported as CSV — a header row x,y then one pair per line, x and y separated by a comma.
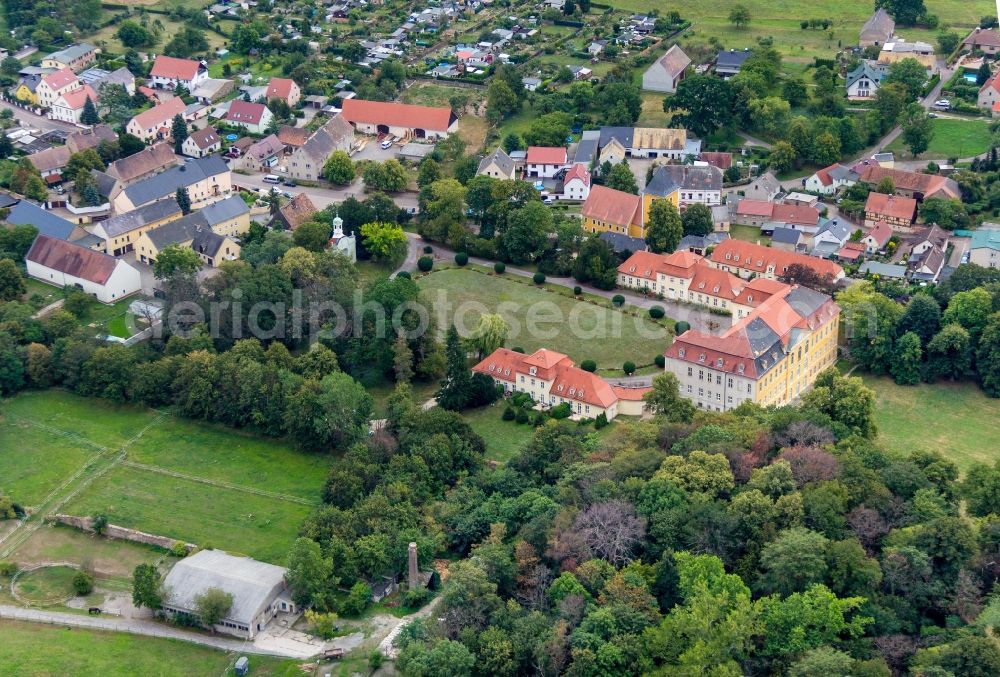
x,y
721,161
798,214
279,88
76,99
757,258
72,259
397,115
158,115
849,253
174,69
631,394
61,79
546,155
892,206
754,208
612,206
881,233
568,381
824,174
577,171
245,112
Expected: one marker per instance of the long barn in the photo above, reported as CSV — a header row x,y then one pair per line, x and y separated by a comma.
x,y
403,120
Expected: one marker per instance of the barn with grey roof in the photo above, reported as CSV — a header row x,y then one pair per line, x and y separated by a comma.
x,y
258,589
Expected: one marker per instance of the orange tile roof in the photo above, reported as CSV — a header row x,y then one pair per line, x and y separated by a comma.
x,y
546,155
246,112
573,383
798,214
714,282
158,115
77,99
757,258
754,207
892,206
577,171
568,381
631,394
612,206
397,115
928,184
721,161
502,363
881,233
174,69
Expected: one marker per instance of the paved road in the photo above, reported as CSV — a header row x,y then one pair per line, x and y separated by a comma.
x,y
38,121
323,197
139,627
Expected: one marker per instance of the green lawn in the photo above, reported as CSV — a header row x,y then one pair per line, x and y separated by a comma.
x,y
952,138
579,329
503,438
51,585
233,456
34,462
35,649
108,558
956,419
261,527
748,234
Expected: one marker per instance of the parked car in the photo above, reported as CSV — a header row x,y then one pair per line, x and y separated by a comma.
x,y
942,104
290,183
387,144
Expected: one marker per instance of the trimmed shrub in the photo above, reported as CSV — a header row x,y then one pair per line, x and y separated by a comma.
x,y
83,583
618,300
508,414
538,278
660,361
561,410
601,421
179,549
499,267
518,349
521,416
405,274
577,290
461,258
681,327
657,312
629,368
425,263
537,419
428,249
589,365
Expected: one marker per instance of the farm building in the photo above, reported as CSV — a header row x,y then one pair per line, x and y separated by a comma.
x,y
666,72
66,264
403,120
258,589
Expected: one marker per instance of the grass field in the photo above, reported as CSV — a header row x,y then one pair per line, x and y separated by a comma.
x,y
578,329
956,419
198,482
503,438
33,649
51,585
107,558
952,138
747,233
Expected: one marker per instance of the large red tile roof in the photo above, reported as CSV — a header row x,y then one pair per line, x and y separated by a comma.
x,y
174,68
247,112
60,79
72,259
568,381
279,88
77,99
397,115
930,185
159,115
546,155
612,206
757,258
893,206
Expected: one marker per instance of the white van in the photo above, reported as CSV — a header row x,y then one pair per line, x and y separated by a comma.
x,y
271,178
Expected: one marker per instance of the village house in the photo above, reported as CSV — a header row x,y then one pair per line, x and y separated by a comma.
x,y
285,89
769,357
497,165
50,162
293,138
202,142
989,93
863,82
27,88
729,62
769,215
148,161
68,106
117,235
261,156
984,249
877,239
306,162
651,142
90,137
551,379
544,162
98,78
259,590
877,30
65,264
206,179
74,57
294,213
399,119
576,184
170,73
917,185
47,223
985,40
683,185
666,73
253,117
156,122
54,85
830,238
719,160
747,259
612,211
896,210
212,232
765,188
829,180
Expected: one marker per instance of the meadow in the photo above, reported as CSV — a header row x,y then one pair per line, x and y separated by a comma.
x,y
579,329
953,138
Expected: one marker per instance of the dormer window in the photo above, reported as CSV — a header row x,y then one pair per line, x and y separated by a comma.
x,y
750,298
532,371
492,367
739,368
559,387
631,269
680,353
572,391
718,362
715,290
701,285
580,394
701,358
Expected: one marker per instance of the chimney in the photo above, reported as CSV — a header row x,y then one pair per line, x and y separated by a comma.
x,y
412,581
